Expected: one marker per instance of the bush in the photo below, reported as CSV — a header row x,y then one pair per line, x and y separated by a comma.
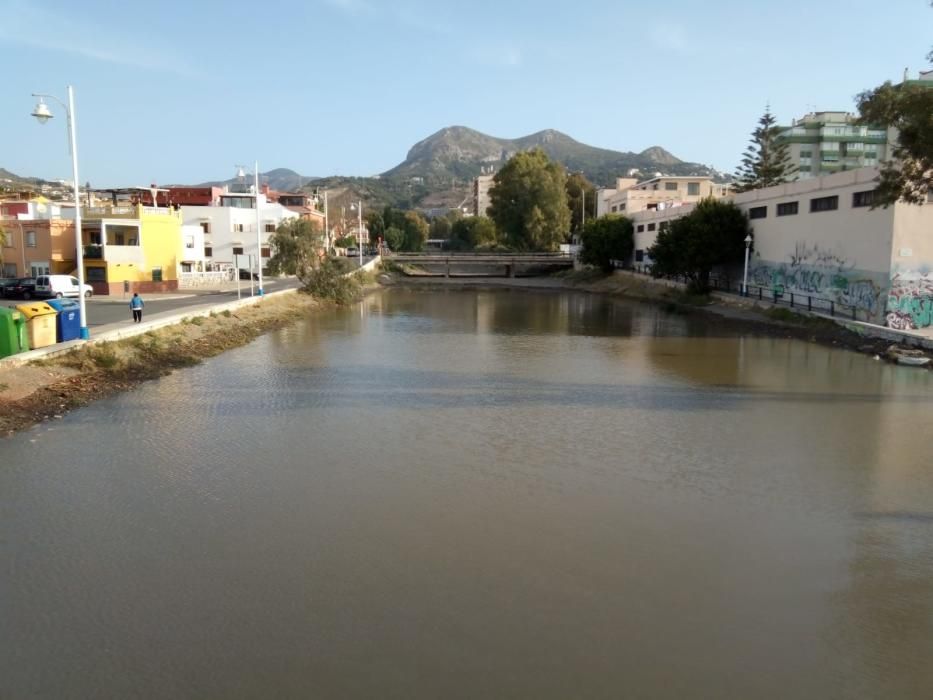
x,y
331,282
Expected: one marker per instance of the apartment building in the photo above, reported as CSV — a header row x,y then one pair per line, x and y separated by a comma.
x,y
481,200
38,241
132,248
820,237
658,193
823,143
229,228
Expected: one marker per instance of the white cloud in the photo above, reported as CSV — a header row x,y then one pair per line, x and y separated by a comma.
x,y
670,37
30,25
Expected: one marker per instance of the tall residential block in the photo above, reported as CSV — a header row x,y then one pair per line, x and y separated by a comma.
x,y
823,143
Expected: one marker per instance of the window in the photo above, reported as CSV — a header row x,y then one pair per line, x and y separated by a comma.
x,y
670,186
9,269
96,274
651,227
206,226
641,228
270,228
787,208
157,274
693,189
238,228
806,154
266,252
30,239
8,241
758,213
621,207
863,199
189,241
39,268
639,256
664,225
208,251
237,250
615,209
824,203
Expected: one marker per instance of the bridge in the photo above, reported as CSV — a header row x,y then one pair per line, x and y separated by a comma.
x,y
442,264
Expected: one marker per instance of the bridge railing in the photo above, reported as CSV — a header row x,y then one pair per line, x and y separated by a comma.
x,y
476,254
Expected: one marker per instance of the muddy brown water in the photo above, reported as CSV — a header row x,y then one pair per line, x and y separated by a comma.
x,y
480,494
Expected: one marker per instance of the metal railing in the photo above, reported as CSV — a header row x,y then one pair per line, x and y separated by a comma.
x,y
777,295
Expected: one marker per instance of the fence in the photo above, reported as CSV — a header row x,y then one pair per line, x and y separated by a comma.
x,y
191,280
774,295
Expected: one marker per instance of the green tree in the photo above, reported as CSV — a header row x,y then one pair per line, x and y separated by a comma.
x,y
529,202
2,242
711,235
767,159
472,232
395,238
296,249
376,226
580,190
907,107
346,242
607,238
332,281
416,231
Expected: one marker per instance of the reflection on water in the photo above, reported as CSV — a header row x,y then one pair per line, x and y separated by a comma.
x,y
480,495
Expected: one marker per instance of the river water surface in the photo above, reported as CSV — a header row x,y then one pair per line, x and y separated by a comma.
x,y
480,495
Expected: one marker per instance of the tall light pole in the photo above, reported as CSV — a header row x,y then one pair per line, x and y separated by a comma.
x,y
258,227
748,245
359,236
42,113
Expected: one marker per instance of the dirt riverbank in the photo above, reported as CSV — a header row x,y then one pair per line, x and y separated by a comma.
x,y
46,389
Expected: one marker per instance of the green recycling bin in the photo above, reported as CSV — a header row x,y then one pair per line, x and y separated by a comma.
x,y
13,336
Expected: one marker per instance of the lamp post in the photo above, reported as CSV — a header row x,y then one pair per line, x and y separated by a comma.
x,y
42,113
748,245
258,227
359,237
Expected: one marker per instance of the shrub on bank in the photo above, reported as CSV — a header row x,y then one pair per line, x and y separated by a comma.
x,y
331,282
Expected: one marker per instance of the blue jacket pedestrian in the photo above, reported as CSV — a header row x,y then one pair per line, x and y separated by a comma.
x,y
136,304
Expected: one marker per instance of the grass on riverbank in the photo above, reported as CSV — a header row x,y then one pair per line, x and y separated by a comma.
x,y
48,388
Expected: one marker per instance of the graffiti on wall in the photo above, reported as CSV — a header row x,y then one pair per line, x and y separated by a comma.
x,y
910,300
823,274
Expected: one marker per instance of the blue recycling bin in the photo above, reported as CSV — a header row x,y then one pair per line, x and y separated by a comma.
x,y
68,322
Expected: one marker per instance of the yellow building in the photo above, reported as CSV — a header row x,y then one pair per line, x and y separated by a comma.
x,y
131,248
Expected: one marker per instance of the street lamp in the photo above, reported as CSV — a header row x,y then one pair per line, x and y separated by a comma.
x,y
42,113
748,245
359,209
258,226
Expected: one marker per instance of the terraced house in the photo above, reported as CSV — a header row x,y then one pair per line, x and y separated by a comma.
x,y
131,247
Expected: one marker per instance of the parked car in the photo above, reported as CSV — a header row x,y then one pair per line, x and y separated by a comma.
x,y
6,283
244,274
61,286
22,287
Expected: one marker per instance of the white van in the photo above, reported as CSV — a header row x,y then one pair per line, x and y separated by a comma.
x,y
60,286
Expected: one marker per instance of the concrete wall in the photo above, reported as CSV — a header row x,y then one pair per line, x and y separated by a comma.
x,y
910,294
842,255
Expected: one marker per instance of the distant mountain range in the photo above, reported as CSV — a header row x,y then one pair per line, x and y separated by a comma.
x,y
437,171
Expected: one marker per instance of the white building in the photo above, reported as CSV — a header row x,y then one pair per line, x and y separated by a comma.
x,y
229,230
630,197
820,238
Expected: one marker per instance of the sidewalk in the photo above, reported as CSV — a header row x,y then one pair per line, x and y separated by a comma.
x,y
128,329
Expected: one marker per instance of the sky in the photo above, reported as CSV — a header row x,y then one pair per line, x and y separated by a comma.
x,y
182,92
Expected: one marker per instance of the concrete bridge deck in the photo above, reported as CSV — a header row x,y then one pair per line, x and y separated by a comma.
x,y
484,264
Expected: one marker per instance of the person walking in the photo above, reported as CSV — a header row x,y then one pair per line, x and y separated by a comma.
x,y
136,304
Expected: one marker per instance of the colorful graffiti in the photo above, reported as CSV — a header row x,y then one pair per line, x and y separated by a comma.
x,y
825,275
910,300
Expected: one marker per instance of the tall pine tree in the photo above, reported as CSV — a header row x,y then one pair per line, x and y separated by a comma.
x,y
767,159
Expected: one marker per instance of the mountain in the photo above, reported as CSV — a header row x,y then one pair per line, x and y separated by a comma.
x,y
281,179
461,153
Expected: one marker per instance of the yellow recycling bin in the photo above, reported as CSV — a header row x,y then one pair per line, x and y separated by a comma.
x,y
40,323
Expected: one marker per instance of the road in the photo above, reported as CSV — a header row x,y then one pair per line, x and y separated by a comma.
x,y
103,310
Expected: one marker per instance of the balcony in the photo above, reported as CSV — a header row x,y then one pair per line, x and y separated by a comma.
x,y
110,212
94,252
